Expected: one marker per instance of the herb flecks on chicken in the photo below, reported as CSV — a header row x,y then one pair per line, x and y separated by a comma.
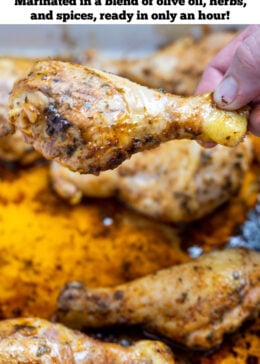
x,y
91,121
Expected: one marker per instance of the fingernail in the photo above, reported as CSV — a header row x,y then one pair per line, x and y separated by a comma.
x,y
226,91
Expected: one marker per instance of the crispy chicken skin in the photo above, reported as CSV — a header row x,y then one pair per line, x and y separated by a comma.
x,y
13,147
91,121
176,68
37,341
194,303
177,181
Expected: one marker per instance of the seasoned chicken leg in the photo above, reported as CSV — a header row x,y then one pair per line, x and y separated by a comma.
x,y
36,341
91,121
195,303
177,181
176,68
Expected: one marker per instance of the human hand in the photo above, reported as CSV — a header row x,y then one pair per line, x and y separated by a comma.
x,y
234,74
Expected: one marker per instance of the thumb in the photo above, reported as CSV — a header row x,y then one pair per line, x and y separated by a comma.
x,y
241,83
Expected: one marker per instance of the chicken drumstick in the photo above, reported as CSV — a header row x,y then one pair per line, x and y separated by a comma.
x,y
91,121
37,341
195,303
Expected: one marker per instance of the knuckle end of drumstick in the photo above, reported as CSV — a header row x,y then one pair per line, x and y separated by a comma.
x,y
227,128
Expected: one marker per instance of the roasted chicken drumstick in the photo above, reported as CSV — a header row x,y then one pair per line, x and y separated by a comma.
x,y
195,303
177,181
91,121
36,341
